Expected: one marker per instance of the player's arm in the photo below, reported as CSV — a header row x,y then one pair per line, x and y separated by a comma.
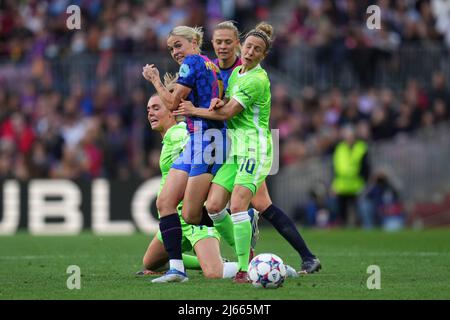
x,y
169,99
179,94
228,111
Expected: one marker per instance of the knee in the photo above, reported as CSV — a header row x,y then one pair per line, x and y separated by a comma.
x,y
190,219
160,203
238,207
164,205
146,263
214,206
261,206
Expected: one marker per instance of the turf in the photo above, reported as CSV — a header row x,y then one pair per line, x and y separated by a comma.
x,y
414,265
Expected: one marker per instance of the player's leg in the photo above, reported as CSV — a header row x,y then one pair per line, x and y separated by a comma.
x,y
170,225
155,257
207,248
201,174
218,197
250,175
240,200
195,196
216,205
286,227
208,254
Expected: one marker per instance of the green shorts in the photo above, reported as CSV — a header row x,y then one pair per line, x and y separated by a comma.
x,y
192,234
243,171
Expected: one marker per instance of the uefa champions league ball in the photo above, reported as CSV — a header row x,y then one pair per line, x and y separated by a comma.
x,y
267,270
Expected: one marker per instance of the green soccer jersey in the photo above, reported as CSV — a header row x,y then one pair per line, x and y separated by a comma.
x,y
173,143
249,130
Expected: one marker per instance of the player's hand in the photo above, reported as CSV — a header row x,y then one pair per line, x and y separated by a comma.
x,y
185,108
216,103
150,73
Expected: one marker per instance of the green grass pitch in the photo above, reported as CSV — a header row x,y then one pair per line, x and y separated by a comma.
x,y
413,264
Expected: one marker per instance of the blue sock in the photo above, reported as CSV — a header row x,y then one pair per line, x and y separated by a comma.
x,y
170,227
286,227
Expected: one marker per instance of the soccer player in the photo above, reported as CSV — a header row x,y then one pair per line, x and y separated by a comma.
x,y
247,112
204,240
227,49
190,180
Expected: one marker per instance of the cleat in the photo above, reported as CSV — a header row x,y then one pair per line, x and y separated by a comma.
x,y
172,275
241,277
254,217
290,272
310,266
147,272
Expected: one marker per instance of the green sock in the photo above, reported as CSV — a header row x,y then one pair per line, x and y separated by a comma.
x,y
242,238
191,262
226,229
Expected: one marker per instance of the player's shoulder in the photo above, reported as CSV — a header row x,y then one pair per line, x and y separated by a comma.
x,y
176,132
260,72
193,59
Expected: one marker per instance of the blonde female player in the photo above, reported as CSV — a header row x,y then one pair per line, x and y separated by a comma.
x,y
227,49
190,176
247,112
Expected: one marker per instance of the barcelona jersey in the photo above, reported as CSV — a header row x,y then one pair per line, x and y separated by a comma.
x,y
203,77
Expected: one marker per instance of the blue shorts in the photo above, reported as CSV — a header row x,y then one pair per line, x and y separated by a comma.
x,y
203,153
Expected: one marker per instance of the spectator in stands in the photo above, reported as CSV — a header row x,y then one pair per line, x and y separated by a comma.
x,y
351,170
381,205
52,82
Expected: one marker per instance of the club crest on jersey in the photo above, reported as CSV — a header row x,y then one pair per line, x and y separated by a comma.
x,y
184,70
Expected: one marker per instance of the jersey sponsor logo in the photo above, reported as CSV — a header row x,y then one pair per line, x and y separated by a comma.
x,y
184,70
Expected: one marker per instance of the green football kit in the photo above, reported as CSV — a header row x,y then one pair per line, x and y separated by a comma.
x,y
250,158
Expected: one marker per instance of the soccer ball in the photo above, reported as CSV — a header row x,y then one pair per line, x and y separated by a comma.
x,y
267,270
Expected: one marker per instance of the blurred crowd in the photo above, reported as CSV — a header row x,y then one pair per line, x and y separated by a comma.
x,y
53,124
309,124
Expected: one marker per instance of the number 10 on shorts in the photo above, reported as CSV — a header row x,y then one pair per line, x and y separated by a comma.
x,y
249,165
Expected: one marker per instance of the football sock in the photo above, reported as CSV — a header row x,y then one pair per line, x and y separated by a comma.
x,y
286,227
191,262
224,225
242,237
176,264
170,227
230,269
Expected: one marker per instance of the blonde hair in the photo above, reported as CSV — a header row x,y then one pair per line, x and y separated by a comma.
x,y
189,33
229,25
265,32
170,80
